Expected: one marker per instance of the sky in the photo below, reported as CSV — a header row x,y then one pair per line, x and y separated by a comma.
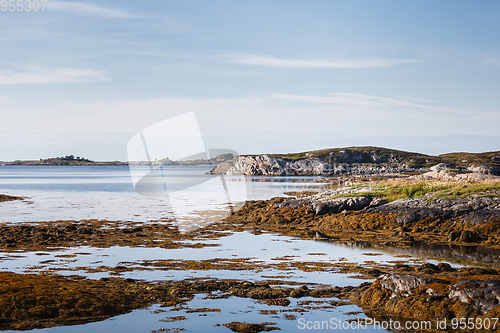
x,y
83,77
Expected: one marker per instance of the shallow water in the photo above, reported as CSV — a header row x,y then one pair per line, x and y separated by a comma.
x,y
74,193
231,309
265,248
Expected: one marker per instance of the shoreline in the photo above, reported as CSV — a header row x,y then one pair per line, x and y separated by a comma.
x,y
355,214
422,293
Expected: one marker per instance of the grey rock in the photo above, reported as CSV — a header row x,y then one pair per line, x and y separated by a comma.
x,y
483,169
440,167
378,202
265,165
470,210
481,294
329,206
404,283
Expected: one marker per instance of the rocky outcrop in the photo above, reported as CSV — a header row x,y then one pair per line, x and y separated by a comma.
x,y
442,171
428,298
483,169
321,207
483,295
471,210
265,165
404,283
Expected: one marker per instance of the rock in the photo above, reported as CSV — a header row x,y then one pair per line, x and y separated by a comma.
x,y
496,158
468,236
427,268
402,268
471,210
482,294
404,283
440,167
444,267
407,237
483,169
328,207
250,328
378,202
265,165
454,235
374,272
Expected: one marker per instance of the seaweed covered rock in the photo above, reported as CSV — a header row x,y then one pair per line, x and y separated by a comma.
x,y
321,207
427,298
404,283
481,294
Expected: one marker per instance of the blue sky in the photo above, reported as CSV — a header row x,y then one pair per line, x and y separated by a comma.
x,y
262,76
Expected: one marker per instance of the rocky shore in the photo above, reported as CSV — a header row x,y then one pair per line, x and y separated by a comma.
x,y
453,214
469,222
357,161
265,165
406,212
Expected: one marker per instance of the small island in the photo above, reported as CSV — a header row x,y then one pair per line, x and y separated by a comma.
x,y
71,160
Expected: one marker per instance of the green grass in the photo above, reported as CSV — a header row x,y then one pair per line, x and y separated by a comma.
x,y
469,189
395,190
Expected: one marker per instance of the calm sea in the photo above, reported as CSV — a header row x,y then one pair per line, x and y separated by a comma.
x,y
107,192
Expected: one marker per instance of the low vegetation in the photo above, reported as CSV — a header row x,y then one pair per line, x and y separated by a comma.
x,y
392,190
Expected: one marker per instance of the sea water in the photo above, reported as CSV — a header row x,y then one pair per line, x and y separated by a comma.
x,y
106,192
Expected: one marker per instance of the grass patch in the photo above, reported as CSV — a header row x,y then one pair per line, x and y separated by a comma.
x,y
465,190
397,189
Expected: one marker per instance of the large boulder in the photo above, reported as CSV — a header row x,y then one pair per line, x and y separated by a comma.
x,y
404,283
328,206
482,294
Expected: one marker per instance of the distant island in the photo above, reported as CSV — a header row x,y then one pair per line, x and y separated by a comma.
x,y
71,160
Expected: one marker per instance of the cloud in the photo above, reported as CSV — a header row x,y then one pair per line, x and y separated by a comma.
x,y
368,101
89,9
48,75
318,63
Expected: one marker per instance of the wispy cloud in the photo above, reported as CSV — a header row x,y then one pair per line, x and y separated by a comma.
x,y
368,101
318,63
89,9
48,75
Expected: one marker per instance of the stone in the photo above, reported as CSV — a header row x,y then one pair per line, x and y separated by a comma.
x,y
482,294
440,167
266,165
404,283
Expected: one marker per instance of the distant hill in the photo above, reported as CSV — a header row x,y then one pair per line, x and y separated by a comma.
x,y
385,156
72,160
66,160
